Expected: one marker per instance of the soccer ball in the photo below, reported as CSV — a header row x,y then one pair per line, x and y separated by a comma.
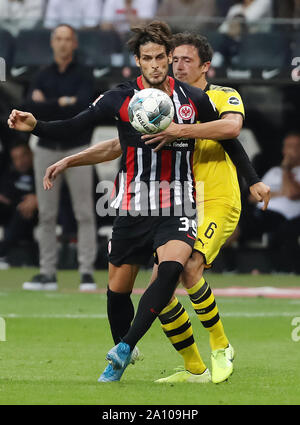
x,y
150,111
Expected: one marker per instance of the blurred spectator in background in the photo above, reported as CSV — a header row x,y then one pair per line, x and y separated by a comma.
x,y
120,15
223,6
80,14
282,218
228,49
16,15
182,9
287,9
2,158
60,91
252,11
18,201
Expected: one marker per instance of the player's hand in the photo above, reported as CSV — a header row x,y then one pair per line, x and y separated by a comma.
x,y
261,192
52,172
21,121
163,138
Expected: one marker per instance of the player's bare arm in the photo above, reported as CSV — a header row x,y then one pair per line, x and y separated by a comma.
x,y
222,129
101,152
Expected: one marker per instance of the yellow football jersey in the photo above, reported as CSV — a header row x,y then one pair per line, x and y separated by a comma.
x,y
212,165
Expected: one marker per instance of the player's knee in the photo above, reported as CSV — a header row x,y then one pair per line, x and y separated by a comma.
x,y
193,270
169,271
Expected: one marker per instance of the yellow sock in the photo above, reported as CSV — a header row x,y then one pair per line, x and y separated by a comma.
x,y
176,324
205,306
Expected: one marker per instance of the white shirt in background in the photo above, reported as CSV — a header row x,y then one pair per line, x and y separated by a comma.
x,y
18,15
114,12
289,208
77,13
258,9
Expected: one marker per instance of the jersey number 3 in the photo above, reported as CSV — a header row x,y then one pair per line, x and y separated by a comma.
x,y
186,224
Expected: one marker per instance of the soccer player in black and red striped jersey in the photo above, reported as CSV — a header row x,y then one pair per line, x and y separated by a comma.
x,y
150,216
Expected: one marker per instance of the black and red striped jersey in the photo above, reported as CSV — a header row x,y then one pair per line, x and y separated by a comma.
x,y
148,182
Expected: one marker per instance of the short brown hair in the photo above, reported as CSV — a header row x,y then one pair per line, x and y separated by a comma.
x,y
156,32
205,51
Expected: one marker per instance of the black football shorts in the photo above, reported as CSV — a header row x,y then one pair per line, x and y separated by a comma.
x,y
135,239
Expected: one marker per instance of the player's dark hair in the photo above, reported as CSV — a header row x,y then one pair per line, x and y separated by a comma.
x,y
156,32
201,43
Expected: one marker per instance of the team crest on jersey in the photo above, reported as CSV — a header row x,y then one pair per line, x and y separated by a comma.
x,y
98,98
185,112
233,100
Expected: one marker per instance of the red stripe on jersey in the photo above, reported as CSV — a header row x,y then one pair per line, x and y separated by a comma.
x,y
123,112
195,109
165,175
129,177
172,84
139,82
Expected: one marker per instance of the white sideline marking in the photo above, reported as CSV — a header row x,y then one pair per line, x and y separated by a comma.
x,y
104,316
54,316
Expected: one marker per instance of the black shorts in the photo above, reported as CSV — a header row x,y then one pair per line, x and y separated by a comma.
x,y
136,239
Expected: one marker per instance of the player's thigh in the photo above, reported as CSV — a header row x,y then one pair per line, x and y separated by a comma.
x,y
174,250
174,238
218,224
121,278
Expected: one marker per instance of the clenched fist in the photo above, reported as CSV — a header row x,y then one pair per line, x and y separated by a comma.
x,y
21,121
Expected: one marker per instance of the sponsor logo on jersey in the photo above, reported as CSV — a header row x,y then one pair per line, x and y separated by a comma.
x,y
185,112
180,144
234,100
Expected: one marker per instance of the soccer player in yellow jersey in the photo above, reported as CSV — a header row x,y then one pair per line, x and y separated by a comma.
x,y
218,215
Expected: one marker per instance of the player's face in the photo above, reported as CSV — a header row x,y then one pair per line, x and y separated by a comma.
x,y
187,66
154,63
63,42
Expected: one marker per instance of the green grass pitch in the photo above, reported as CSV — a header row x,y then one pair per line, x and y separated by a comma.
x,y
56,344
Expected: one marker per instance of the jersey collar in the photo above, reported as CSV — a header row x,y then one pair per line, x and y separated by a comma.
x,y
140,84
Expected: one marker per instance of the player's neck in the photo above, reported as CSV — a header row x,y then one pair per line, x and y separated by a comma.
x,y
201,83
164,86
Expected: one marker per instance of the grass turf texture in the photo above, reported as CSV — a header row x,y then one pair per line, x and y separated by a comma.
x,y
57,341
